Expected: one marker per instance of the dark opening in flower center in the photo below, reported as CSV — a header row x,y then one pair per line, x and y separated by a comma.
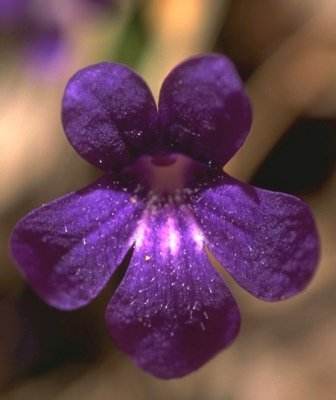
x,y
166,175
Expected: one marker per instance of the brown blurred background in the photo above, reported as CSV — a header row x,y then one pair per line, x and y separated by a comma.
x,y
285,51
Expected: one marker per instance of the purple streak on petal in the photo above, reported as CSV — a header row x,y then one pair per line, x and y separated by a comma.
x,y
266,240
172,312
109,115
69,248
204,110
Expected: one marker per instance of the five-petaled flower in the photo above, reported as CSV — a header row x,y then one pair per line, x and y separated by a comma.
x,y
166,197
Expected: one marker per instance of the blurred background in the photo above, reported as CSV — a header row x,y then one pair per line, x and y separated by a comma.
x,y
285,51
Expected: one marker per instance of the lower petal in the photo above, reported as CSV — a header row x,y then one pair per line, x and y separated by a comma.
x,y
68,249
172,312
266,240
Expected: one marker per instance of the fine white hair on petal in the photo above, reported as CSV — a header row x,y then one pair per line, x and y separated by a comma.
x,y
196,232
142,232
170,237
169,233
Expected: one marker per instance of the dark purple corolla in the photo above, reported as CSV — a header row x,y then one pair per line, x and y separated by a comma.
x,y
165,196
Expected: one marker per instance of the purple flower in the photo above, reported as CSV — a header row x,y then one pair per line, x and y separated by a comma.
x,y
38,30
33,29
12,12
165,196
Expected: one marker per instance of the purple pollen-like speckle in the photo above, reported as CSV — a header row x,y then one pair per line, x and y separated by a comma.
x,y
165,197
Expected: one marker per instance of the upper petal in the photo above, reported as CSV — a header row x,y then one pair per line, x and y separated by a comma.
x,y
172,312
203,109
109,115
266,240
68,249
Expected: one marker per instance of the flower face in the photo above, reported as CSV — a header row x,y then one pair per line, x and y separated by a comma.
x,y
165,196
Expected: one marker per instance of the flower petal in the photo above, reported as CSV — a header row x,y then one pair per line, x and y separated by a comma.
x,y
204,110
68,249
109,115
172,312
266,240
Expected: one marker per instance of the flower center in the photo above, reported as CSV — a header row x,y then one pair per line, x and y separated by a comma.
x,y
166,175
169,181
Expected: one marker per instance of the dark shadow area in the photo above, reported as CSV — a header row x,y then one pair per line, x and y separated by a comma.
x,y
302,160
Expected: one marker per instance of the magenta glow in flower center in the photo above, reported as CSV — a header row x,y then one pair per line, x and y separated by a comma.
x,y
166,175
164,194
169,180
